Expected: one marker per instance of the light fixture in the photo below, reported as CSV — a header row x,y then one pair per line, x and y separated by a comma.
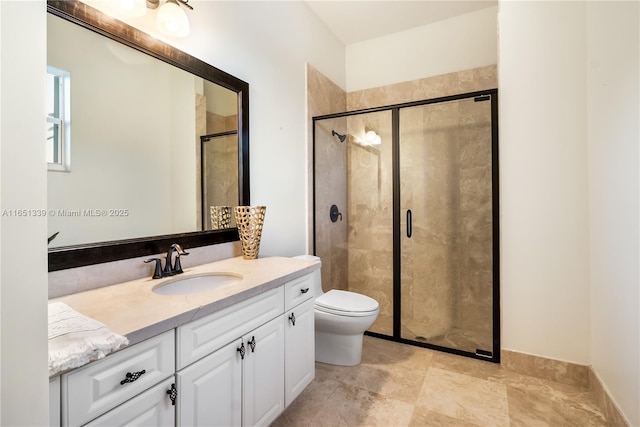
x,y
370,138
172,20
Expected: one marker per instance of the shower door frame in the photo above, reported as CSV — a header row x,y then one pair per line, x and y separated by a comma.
x,y
396,221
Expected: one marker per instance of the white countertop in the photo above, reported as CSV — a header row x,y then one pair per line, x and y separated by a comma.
x,y
132,309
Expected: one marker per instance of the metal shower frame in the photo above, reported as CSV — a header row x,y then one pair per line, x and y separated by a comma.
x,y
492,95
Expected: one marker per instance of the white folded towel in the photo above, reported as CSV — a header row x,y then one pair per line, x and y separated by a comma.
x,y
75,339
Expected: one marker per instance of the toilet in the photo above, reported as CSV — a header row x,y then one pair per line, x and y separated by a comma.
x,y
341,317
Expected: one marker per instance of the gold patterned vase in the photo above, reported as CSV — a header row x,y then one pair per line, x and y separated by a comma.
x,y
220,217
249,220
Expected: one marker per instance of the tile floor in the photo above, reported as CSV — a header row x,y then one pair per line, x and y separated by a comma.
x,y
402,385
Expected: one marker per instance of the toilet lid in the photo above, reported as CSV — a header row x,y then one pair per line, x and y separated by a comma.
x,y
346,302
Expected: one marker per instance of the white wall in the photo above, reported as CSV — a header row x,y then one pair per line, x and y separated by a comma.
x,y
543,179
455,44
267,44
569,108
23,278
613,113
182,155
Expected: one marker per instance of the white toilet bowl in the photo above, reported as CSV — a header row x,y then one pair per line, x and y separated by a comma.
x,y
341,317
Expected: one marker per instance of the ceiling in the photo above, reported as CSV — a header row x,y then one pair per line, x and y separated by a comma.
x,y
354,21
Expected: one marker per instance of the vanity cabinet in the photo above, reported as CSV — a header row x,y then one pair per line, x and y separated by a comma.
x,y
54,402
299,336
299,349
241,383
151,408
204,336
98,387
263,376
238,366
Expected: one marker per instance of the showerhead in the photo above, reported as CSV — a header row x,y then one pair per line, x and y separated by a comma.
x,y
340,137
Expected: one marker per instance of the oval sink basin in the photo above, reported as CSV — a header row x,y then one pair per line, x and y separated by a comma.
x,y
197,283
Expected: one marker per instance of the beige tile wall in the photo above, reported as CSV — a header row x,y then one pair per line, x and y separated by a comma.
x,y
324,97
431,87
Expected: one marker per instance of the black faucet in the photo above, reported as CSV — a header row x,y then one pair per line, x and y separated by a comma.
x,y
157,271
169,270
177,267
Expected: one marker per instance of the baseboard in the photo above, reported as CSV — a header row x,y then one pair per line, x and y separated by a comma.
x,y
547,369
566,373
609,408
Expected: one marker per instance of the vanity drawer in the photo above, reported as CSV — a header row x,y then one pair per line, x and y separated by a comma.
x,y
203,336
298,291
96,388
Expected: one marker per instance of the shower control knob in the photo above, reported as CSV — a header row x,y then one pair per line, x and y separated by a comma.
x,y
334,213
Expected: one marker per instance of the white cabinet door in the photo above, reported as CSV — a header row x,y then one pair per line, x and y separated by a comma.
x,y
299,350
210,390
151,408
264,373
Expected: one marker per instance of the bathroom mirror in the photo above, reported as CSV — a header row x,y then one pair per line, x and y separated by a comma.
x,y
156,137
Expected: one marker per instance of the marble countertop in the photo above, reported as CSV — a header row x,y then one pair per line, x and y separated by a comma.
x,y
132,309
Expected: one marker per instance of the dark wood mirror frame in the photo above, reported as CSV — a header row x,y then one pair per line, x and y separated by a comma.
x,y
65,257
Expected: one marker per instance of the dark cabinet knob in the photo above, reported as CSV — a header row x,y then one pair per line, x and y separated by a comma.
x,y
173,394
241,350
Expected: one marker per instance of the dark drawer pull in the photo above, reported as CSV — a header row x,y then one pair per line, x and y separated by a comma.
x,y
304,290
292,319
173,394
131,377
252,344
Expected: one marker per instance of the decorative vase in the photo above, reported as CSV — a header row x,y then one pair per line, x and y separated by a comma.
x,y
249,220
220,217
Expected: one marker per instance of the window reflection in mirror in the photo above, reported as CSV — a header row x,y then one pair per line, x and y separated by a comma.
x,y
58,134
139,164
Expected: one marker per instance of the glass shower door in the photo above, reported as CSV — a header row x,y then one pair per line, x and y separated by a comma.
x,y
445,158
353,202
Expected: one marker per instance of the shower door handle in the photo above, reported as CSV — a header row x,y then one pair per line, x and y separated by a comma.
x,y
409,223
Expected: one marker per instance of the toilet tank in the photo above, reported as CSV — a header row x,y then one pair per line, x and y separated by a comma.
x,y
317,278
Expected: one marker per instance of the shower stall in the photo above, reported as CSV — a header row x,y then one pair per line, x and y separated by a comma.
x,y
406,212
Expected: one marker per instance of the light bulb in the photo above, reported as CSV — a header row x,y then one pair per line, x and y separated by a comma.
x,y
172,20
371,138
